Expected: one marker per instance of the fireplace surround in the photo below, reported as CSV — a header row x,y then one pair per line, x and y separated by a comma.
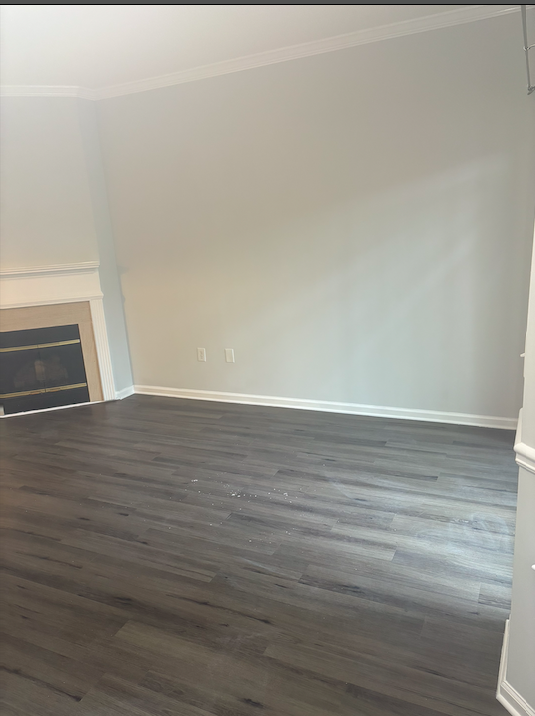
x,y
51,315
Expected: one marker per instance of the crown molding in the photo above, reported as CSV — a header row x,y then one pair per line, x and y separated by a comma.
x,y
51,270
47,91
461,16
318,47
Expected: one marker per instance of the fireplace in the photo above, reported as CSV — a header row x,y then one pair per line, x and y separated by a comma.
x,y
53,340
41,368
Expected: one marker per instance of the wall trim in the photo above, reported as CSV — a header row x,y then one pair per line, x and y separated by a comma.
x,y
449,18
48,410
331,407
52,269
47,91
506,694
525,454
103,348
124,393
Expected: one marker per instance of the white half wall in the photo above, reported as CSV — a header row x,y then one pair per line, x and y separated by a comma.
x,y
356,225
516,688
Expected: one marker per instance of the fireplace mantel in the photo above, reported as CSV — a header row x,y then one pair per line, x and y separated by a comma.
x,y
63,284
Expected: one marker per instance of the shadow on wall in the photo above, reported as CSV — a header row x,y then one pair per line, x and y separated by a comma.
x,y
351,244
397,300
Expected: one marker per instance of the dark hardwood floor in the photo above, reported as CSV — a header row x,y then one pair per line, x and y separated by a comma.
x,y
164,556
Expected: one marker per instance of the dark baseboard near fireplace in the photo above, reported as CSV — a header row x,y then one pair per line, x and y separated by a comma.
x,y
42,368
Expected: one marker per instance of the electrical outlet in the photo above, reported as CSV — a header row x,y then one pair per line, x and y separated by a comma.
x,y
201,354
229,355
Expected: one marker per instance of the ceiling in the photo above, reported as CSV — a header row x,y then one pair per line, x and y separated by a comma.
x,y
116,49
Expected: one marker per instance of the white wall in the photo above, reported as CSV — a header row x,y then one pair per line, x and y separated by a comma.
x,y
54,206
519,669
46,216
521,651
355,225
109,276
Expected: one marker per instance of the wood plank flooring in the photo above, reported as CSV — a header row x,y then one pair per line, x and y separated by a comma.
x,y
164,556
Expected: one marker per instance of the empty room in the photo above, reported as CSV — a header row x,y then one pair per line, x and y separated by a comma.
x,y
267,360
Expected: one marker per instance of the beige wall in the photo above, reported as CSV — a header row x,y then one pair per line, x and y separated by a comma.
x,y
355,225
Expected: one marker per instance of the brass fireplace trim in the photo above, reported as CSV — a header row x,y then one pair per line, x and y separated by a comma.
x,y
55,389
61,314
40,345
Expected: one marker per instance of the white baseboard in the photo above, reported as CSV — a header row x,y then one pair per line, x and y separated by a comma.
x,y
119,395
124,393
331,407
506,694
49,410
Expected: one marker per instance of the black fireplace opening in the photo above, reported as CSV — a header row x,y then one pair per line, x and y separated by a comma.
x,y
41,368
